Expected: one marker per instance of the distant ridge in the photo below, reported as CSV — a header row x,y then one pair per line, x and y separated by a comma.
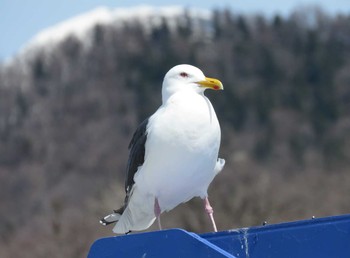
x,y
79,26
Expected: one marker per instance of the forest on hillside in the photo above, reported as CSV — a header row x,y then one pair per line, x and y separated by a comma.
x,y
67,114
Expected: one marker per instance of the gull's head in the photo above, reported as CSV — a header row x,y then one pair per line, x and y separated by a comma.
x,y
187,78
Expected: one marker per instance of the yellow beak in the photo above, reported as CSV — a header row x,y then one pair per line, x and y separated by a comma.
x,y
211,83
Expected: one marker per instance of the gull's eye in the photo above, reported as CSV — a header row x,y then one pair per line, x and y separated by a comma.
x,y
184,75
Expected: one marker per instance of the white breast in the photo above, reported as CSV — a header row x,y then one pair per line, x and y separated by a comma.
x,y
181,150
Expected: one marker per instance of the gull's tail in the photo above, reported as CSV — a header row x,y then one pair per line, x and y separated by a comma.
x,y
137,214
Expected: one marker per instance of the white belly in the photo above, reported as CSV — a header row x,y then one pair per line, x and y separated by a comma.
x,y
181,151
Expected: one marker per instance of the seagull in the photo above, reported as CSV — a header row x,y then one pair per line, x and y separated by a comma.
x,y
173,153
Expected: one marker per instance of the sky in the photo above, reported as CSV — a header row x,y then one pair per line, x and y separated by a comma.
x,y
21,20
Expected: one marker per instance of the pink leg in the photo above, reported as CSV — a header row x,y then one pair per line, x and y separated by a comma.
x,y
157,212
209,210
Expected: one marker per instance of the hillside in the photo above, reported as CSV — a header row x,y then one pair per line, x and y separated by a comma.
x,y
69,106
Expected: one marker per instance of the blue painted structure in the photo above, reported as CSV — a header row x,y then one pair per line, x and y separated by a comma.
x,y
322,238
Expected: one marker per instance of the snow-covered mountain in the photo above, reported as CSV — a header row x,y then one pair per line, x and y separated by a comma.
x,y
79,26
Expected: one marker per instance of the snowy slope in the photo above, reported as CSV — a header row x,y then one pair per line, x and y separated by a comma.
x,y
80,25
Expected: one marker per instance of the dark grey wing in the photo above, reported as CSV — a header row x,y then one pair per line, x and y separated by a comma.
x,y
137,154
136,159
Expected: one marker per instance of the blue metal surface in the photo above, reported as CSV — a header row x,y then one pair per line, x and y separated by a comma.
x,y
321,238
160,244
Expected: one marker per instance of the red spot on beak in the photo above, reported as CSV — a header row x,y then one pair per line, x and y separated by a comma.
x,y
216,87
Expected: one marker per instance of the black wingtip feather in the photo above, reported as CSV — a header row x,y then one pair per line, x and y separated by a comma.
x,y
105,222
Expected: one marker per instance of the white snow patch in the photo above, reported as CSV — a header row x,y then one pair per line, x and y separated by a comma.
x,y
80,25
